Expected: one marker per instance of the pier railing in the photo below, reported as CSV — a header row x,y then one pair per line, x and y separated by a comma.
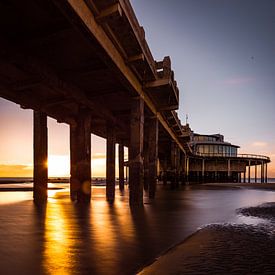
x,y
244,156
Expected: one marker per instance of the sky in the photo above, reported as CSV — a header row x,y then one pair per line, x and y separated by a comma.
x,y
223,55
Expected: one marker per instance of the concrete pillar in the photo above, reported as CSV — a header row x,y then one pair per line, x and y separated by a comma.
x,y
121,166
152,154
110,164
256,173
187,169
182,163
164,171
249,164
40,156
203,169
262,172
244,176
173,164
136,152
80,153
228,170
126,174
146,156
177,165
266,177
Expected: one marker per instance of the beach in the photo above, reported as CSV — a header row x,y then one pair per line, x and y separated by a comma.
x,y
226,248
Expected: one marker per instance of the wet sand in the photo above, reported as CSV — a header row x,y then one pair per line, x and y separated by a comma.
x,y
254,186
225,248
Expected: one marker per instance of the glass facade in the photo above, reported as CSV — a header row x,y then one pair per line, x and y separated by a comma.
x,y
216,150
204,138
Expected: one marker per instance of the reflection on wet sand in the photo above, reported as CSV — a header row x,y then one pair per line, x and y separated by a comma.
x,y
102,238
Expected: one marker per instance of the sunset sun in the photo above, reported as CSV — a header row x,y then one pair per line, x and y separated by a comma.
x,y
58,165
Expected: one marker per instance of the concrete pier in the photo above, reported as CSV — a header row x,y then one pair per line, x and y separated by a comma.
x,y
80,149
40,156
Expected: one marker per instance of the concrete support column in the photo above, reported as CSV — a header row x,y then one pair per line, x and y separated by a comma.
x,y
153,154
164,172
187,169
182,157
110,164
173,164
40,156
80,153
136,152
121,166
146,156
256,173
203,169
177,165
262,172
228,170
244,176
249,164
266,173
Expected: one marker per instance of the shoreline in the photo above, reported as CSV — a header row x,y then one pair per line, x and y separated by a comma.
x,y
224,248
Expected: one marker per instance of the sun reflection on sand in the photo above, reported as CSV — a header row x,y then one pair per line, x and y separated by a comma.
x,y
59,241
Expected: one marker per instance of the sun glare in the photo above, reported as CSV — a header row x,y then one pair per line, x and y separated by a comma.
x,y
58,165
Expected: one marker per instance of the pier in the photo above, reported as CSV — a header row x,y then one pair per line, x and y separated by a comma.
x,y
86,63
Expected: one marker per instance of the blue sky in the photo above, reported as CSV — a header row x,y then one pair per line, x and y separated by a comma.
x,y
223,54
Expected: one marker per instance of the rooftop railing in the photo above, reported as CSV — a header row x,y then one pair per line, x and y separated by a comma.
x,y
246,156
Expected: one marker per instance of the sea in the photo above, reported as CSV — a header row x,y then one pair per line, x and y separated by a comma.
x,y
62,237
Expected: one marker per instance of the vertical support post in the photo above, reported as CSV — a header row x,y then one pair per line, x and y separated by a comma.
x,y
152,154
173,164
244,176
80,154
266,173
262,172
136,152
249,164
164,172
40,156
256,173
146,155
121,166
110,164
228,170
126,175
187,169
203,169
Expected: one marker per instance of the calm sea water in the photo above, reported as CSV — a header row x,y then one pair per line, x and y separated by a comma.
x,y
65,238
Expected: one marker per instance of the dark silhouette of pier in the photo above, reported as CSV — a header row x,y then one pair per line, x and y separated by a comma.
x,y
86,63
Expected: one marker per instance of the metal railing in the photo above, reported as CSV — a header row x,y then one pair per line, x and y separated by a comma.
x,y
247,156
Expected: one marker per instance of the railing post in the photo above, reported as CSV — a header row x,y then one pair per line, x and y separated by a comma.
x,y
256,173
249,163
266,173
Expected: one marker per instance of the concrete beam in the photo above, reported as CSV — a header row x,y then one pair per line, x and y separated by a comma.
x,y
111,11
84,17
